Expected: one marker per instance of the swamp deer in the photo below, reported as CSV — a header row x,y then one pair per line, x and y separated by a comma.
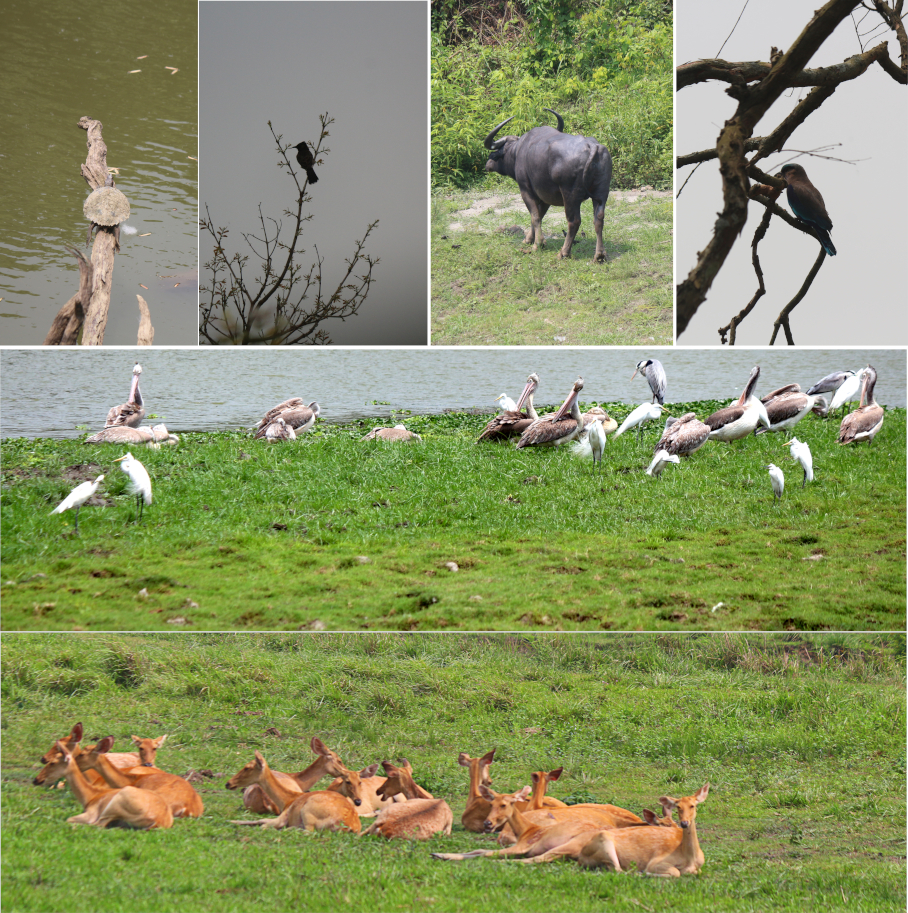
x,y
668,851
328,764
419,817
538,800
372,801
311,811
477,809
179,794
129,807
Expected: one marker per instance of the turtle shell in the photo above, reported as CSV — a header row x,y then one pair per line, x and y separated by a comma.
x,y
106,206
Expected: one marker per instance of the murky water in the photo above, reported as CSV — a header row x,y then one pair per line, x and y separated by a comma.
x,y
64,392
61,61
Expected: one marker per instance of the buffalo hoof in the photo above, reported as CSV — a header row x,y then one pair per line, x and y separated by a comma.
x,y
564,256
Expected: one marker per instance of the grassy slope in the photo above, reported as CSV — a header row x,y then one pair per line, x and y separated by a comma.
x,y
801,738
488,289
246,534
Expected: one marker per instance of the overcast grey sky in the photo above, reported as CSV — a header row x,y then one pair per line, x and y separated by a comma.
x,y
858,298
366,64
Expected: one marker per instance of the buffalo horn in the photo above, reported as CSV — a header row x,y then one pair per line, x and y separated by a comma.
x,y
560,119
491,136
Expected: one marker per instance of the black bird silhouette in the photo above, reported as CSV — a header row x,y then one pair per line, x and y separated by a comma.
x,y
307,160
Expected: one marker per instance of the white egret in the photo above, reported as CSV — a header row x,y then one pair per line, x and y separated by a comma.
x,y
513,423
654,373
591,443
801,452
778,481
683,435
661,459
397,433
646,412
139,480
294,412
864,423
131,413
738,420
278,430
562,427
505,403
77,497
849,391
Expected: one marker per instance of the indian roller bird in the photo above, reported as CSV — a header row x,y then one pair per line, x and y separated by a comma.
x,y
806,203
305,157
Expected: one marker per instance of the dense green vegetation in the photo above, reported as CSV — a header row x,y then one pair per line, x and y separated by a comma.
x,y
332,533
604,65
800,736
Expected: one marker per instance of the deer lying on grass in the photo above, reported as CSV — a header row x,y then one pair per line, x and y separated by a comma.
x,y
328,764
669,851
477,809
538,801
311,811
372,801
419,817
130,807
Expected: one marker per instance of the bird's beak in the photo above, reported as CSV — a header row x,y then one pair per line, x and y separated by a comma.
x,y
121,458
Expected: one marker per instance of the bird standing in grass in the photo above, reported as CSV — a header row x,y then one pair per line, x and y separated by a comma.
x,y
807,204
77,497
654,373
591,442
139,480
661,459
306,159
639,417
778,481
801,452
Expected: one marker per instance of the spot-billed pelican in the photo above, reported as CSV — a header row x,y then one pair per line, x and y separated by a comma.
x,y
294,412
801,452
278,430
661,459
564,426
139,480
646,412
737,421
864,423
513,423
132,412
831,382
683,435
598,414
778,481
77,497
121,434
397,433
654,373
786,407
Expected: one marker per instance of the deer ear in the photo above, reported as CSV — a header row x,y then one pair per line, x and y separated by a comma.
x,y
136,739
260,759
368,771
159,742
104,745
649,817
318,746
486,793
76,734
555,774
524,793
702,793
488,758
463,759
667,802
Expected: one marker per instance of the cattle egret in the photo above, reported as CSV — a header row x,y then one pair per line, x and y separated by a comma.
x,y
139,481
591,443
514,422
801,452
661,459
505,403
564,426
77,497
131,413
294,412
738,420
864,423
778,481
654,373
640,416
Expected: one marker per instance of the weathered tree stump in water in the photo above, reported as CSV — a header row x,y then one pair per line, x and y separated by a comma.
x,y
88,308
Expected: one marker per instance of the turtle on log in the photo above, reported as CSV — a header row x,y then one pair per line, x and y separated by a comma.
x,y
106,207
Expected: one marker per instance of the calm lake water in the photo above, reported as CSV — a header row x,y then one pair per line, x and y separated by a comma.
x,y
64,392
63,60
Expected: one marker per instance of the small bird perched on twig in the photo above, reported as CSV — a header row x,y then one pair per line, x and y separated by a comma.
x,y
305,157
807,204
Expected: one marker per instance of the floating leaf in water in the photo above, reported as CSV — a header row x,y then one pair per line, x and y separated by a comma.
x,y
142,57
135,71
143,286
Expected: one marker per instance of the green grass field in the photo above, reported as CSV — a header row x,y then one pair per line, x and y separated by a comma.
x,y
330,533
488,288
801,737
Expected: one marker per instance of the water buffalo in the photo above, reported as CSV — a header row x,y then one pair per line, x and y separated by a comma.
x,y
553,168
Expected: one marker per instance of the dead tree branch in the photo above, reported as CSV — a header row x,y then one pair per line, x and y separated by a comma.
x,y
782,319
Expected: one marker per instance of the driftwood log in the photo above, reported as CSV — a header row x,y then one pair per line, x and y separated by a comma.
x,y
87,310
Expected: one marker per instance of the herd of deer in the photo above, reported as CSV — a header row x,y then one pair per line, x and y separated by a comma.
x,y
127,790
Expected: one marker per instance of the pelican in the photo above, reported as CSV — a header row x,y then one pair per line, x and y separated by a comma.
x,y
278,430
131,412
139,481
661,459
640,416
786,407
397,433
801,452
778,481
739,419
683,435
505,403
850,390
864,423
654,373
598,414
294,412
559,428
591,442
121,434
77,497
513,422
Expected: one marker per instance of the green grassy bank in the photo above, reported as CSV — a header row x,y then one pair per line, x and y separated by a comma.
x,y
332,533
800,736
